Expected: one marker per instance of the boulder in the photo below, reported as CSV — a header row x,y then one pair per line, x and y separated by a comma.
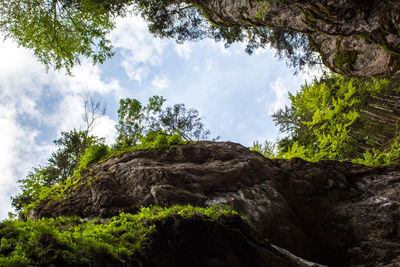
x,y
333,213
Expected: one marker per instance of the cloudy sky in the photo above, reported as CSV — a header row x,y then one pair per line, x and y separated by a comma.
x,y
235,93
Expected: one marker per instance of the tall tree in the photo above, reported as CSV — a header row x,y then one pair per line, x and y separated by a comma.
x,y
136,120
186,122
338,117
64,161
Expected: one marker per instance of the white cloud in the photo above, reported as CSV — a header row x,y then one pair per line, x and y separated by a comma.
x,y
23,110
135,72
281,96
160,81
105,127
86,79
68,114
183,50
19,152
209,64
139,47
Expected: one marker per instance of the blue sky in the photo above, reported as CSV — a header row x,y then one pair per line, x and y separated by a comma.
x,y
235,93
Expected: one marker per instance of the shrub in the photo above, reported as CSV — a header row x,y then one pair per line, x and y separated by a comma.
x,y
94,153
66,241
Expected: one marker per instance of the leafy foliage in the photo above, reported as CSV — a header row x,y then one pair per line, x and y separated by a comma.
x,y
267,149
71,147
60,32
160,139
342,118
186,122
60,166
75,241
93,153
136,121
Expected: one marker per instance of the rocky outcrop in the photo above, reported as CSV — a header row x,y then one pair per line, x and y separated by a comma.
x,y
333,213
353,37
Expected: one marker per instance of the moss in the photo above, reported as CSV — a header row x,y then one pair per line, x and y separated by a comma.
x,y
209,15
394,63
381,40
95,155
344,60
71,241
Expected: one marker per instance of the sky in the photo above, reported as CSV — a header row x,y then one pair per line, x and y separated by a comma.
x,y
235,93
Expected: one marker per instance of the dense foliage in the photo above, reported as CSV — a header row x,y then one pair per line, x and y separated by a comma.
x,y
72,241
61,32
341,118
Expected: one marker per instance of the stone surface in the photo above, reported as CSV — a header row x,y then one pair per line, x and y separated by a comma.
x,y
329,212
197,242
353,37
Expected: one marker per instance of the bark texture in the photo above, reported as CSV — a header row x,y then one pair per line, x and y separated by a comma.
x,y
353,37
333,213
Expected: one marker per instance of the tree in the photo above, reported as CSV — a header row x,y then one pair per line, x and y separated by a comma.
x,y
61,31
71,146
338,117
136,120
61,165
92,111
186,122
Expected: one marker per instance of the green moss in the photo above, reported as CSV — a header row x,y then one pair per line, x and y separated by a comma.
x,y
381,42
98,154
209,15
344,60
73,241
394,63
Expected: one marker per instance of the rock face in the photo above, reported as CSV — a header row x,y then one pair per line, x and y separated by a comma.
x,y
333,213
196,242
353,37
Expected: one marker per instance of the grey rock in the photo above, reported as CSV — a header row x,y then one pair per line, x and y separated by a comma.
x,y
333,213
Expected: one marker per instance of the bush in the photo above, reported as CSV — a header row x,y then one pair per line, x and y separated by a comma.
x,y
94,153
160,139
71,241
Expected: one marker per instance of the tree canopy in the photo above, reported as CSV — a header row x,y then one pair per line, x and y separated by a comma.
x,y
136,121
341,118
61,32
